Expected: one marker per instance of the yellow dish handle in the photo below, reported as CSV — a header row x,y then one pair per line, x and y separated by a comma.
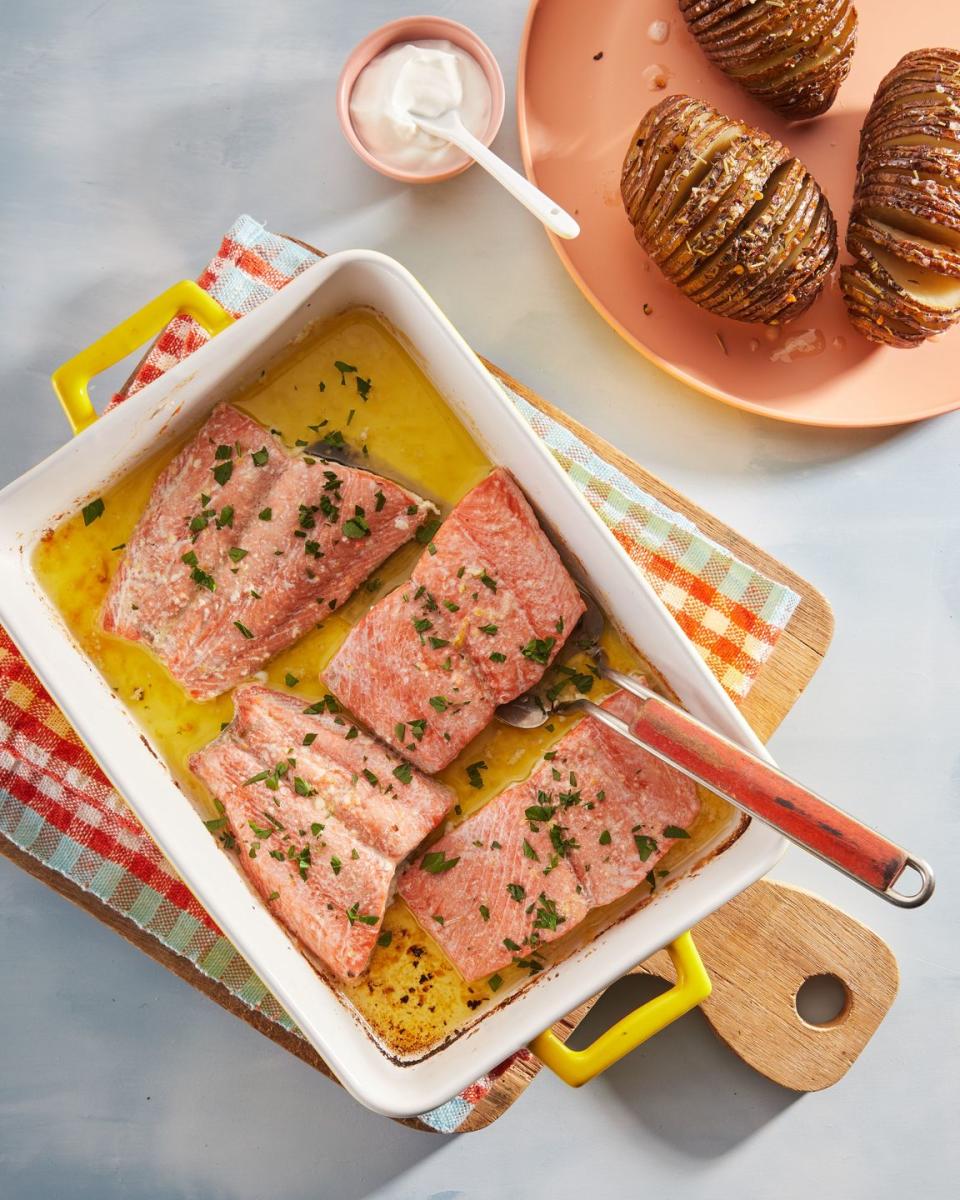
x,y
70,380
578,1067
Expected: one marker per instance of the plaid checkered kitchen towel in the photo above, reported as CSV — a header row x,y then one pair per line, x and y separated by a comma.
x,y
57,806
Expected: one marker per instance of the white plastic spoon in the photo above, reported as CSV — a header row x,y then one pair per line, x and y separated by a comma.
x,y
449,127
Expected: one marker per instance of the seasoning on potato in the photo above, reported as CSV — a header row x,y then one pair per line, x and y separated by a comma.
x,y
904,232
791,55
727,213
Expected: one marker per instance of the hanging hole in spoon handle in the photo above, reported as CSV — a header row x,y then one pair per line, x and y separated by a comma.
x,y
921,868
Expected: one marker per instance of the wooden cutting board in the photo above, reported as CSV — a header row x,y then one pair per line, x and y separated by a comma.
x,y
759,948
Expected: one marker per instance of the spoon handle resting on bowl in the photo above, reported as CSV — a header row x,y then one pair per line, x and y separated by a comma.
x,y
450,127
760,789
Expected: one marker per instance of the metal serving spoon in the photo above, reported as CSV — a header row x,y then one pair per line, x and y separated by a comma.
x,y
749,783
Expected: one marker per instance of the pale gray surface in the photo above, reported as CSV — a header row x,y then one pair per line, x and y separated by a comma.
x,y
133,134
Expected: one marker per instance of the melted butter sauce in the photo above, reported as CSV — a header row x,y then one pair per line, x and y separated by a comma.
x,y
412,997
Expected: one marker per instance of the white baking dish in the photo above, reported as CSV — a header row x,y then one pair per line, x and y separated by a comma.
x,y
166,410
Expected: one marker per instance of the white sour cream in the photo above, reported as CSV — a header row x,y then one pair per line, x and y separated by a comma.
x,y
429,77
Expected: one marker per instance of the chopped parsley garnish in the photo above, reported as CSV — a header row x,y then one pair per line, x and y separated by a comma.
x,y
291,681
328,702
237,554
540,812
222,472
487,581
404,773
243,629
351,733
473,774
356,527
529,852
495,982
547,916
345,369
216,824
538,650
202,579
422,624
426,531
380,500
439,920
511,945
418,728
354,914
222,453
309,739
605,839
385,938
316,828
489,629
335,865
674,831
370,777
439,703
517,891
645,846
93,510
484,912
225,520
302,788
560,843
438,643
363,387
260,457
497,657
435,862
266,514
372,584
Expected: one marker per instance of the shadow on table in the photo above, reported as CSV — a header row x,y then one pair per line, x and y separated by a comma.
x,y
684,1085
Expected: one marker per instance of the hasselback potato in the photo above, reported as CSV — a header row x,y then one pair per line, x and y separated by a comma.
x,y
727,213
904,232
790,54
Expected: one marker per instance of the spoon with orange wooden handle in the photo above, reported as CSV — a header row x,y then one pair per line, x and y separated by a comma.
x,y
751,784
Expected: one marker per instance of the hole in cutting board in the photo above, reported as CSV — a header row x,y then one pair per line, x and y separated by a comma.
x,y
822,1000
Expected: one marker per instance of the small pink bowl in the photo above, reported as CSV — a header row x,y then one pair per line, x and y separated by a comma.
x,y
414,29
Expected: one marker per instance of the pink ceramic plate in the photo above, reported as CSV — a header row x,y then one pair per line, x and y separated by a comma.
x,y
588,72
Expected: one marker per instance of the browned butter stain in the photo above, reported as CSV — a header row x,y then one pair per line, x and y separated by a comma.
x,y
412,997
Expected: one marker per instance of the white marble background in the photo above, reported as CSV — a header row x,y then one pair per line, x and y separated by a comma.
x,y
132,135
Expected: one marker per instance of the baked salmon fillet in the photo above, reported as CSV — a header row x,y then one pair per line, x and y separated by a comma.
x,y
244,547
372,790
320,814
589,824
486,611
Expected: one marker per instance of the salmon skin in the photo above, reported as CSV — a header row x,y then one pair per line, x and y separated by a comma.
x,y
244,547
486,611
320,814
589,824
